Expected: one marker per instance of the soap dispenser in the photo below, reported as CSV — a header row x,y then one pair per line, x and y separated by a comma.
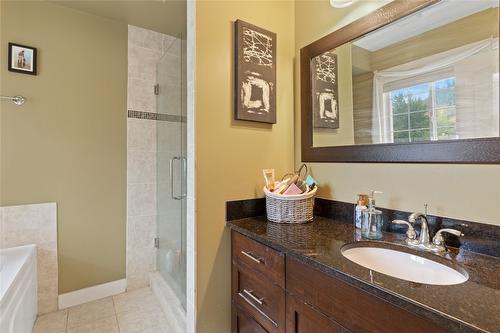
x,y
372,222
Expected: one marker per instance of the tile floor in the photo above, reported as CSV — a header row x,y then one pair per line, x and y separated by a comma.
x,y
137,311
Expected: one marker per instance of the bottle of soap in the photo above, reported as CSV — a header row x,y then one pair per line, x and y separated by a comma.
x,y
361,204
371,220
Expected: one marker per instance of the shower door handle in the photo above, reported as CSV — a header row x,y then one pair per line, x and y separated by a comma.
x,y
184,175
175,158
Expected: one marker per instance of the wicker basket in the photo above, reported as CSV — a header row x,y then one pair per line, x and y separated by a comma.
x,y
290,208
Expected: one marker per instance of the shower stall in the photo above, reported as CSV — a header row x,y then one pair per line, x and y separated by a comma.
x,y
157,168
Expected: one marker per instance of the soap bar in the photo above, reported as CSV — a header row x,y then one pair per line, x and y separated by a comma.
x,y
292,189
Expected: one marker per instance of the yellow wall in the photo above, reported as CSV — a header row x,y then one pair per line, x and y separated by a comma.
x,y
231,154
68,142
462,191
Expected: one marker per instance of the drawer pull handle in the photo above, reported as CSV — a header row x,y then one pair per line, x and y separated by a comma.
x,y
252,296
251,256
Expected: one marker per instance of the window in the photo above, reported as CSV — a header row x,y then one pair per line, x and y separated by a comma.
x,y
423,112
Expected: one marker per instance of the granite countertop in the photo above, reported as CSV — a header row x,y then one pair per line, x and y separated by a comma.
x,y
473,306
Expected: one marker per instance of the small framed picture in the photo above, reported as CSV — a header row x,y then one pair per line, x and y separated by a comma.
x,y
22,59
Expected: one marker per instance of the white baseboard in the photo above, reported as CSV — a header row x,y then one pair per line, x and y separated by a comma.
x,y
93,293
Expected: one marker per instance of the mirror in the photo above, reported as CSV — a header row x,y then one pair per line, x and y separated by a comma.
x,y
430,76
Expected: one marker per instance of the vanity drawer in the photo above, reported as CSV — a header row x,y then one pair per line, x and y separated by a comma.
x,y
242,322
354,309
263,300
251,254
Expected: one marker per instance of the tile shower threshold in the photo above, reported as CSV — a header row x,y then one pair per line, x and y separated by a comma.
x,y
170,303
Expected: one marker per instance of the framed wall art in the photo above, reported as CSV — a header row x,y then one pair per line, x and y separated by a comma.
x,y
255,73
22,59
324,90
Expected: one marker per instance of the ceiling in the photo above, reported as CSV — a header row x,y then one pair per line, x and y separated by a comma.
x,y
427,19
165,16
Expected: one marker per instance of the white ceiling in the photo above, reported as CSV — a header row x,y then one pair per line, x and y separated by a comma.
x,y
430,18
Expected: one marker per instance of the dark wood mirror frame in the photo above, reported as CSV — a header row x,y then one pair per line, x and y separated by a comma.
x,y
478,151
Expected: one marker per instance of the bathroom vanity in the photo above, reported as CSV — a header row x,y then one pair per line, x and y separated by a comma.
x,y
293,278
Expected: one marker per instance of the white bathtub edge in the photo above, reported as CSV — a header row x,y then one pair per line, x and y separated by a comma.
x,y
93,293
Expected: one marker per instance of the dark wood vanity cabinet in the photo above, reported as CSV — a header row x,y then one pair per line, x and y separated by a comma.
x,y
266,297
244,323
257,287
302,318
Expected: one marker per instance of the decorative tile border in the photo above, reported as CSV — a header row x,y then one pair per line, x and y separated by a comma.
x,y
478,237
156,116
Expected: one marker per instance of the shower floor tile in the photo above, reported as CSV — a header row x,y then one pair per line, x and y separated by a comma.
x,y
137,311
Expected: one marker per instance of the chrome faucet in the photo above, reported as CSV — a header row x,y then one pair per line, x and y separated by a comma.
x,y
424,239
437,245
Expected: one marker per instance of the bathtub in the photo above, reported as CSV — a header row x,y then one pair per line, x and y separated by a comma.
x,y
18,289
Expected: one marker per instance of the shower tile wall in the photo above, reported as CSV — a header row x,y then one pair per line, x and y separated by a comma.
x,y
145,49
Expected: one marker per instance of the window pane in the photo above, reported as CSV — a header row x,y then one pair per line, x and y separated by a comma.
x,y
445,133
445,92
419,120
446,117
420,135
400,122
398,101
401,137
418,97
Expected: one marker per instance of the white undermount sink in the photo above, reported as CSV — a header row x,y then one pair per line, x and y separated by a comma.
x,y
403,265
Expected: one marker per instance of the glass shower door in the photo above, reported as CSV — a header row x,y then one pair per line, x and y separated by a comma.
x,y
171,171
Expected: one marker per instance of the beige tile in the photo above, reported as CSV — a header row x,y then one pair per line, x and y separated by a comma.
x,y
141,166
90,312
47,302
167,42
141,199
140,262
140,293
36,224
140,300
136,281
142,63
141,231
153,40
173,70
54,322
174,47
106,325
140,95
141,134
133,322
158,329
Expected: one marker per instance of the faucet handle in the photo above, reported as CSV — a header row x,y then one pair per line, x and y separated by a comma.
x,y
413,217
412,235
439,239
